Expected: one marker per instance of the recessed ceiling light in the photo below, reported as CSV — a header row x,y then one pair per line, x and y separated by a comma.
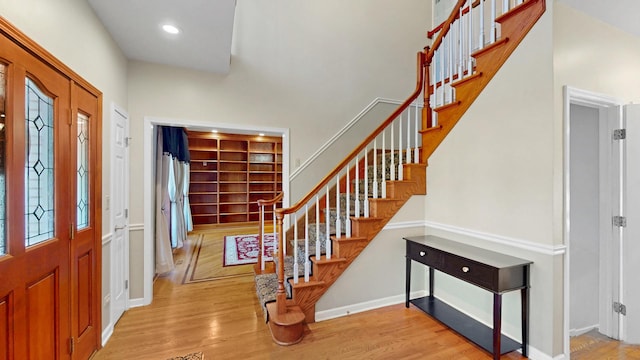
x,y
261,134
214,131
171,29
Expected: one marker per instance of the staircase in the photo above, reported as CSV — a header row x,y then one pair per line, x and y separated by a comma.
x,y
327,229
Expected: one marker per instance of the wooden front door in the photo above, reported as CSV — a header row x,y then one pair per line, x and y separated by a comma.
x,y
49,261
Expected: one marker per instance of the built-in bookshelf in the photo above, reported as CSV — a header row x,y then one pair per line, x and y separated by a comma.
x,y
230,173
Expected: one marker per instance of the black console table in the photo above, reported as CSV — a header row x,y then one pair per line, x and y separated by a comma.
x,y
494,272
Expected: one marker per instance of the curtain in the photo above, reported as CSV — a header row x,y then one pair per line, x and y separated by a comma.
x,y
172,169
164,257
187,207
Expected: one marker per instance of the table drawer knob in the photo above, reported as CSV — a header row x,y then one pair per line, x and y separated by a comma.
x,y
422,253
465,269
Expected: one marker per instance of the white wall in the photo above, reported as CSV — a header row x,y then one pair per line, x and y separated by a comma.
x,y
589,55
585,218
72,33
493,175
382,262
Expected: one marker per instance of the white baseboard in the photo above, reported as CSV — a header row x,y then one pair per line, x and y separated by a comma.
x,y
584,330
365,306
106,334
136,303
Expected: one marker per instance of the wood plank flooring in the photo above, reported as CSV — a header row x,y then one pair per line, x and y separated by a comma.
x,y
595,346
223,319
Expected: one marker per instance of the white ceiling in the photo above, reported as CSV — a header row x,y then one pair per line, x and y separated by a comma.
x,y
623,14
204,43
207,28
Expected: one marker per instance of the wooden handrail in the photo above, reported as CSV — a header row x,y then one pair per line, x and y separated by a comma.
x,y
373,135
445,29
439,27
263,202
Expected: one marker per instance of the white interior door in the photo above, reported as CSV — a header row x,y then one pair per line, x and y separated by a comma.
x,y
120,201
631,233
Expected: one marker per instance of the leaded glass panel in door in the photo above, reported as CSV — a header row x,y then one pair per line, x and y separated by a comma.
x,y
3,193
39,167
82,170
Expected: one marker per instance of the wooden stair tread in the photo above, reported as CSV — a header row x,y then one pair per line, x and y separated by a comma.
x,y
467,79
324,261
434,128
447,106
515,11
488,48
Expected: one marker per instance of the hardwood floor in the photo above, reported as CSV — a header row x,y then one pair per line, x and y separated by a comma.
x,y
222,318
595,346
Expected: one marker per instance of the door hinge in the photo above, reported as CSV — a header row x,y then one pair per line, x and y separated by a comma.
x,y
72,233
72,345
619,221
619,308
126,213
127,140
126,284
619,134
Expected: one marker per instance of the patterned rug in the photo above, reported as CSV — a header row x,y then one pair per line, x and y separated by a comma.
x,y
192,356
243,249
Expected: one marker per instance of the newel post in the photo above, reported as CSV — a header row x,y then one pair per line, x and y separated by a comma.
x,y
427,114
281,295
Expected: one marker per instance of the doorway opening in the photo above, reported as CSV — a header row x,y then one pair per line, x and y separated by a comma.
x,y
591,198
150,127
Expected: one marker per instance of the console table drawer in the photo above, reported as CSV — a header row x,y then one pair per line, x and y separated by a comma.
x,y
424,254
470,271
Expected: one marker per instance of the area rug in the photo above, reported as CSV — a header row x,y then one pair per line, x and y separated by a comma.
x,y
244,249
205,260
192,356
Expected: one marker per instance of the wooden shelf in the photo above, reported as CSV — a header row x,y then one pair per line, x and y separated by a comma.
x,y
229,173
464,325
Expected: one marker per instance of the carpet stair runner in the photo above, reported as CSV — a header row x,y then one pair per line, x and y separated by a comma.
x,y
267,284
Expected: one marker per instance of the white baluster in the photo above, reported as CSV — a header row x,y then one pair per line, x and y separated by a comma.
x,y
366,182
416,153
327,226
451,45
460,46
375,169
481,22
442,50
262,261
296,270
275,233
338,227
347,224
409,135
493,21
400,175
519,2
357,209
307,263
505,6
392,165
383,169
318,240
470,23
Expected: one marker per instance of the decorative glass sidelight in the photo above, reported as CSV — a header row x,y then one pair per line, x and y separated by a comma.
x,y
82,210
3,194
39,167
